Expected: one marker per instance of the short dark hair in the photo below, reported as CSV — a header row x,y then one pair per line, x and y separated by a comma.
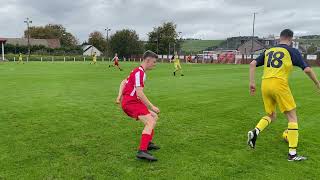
x,y
150,54
287,33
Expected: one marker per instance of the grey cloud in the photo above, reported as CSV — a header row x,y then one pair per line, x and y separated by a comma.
x,y
207,19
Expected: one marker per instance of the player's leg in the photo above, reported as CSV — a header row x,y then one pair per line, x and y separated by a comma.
x,y
262,124
119,67
293,136
180,68
175,69
149,123
270,108
153,146
287,105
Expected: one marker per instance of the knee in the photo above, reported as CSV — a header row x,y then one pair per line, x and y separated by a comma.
x,y
155,117
151,123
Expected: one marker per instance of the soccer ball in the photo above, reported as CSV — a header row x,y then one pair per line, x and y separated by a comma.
x,y
285,135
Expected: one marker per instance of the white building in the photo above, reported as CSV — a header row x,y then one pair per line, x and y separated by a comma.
x,y
88,50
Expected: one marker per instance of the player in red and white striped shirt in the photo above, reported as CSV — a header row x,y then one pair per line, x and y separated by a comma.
x,y
116,62
136,104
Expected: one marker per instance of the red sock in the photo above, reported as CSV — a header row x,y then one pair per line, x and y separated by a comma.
x,y
152,133
144,143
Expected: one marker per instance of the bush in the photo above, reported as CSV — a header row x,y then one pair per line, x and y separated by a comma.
x,y
42,50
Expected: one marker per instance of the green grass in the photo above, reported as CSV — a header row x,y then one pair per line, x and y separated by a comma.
x,y
59,121
195,46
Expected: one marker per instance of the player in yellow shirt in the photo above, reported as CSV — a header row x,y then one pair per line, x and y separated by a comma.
x,y
177,65
20,60
278,63
94,58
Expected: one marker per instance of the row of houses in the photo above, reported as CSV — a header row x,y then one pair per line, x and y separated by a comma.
x,y
247,45
49,43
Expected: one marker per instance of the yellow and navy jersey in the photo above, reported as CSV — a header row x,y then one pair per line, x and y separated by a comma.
x,y
176,60
279,60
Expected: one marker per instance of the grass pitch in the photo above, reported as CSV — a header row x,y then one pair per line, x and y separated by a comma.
x,y
59,121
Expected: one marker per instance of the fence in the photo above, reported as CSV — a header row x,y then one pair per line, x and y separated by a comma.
x,y
313,60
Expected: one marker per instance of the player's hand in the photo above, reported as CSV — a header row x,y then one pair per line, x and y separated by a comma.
x,y
155,109
252,88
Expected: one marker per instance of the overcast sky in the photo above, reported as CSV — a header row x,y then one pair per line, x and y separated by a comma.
x,y
204,19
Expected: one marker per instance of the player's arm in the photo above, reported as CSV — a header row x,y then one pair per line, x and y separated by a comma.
x,y
297,60
145,100
252,84
312,75
118,100
253,65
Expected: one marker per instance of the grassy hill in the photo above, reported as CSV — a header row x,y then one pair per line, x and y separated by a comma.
x,y
315,42
194,46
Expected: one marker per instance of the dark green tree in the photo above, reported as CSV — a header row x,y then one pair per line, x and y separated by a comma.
x,y
164,38
126,43
97,39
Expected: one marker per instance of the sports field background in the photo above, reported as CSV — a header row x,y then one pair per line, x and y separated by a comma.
x,y
59,121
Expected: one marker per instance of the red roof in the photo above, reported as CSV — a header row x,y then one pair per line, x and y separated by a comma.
x,y
3,40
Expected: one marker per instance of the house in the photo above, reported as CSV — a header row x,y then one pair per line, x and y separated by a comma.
x,y
88,50
49,43
251,47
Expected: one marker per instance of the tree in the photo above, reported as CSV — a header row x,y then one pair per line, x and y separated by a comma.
x,y
164,37
126,43
53,31
97,40
312,49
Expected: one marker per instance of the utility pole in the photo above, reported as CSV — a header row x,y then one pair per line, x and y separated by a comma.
x,y
253,24
169,52
174,44
107,30
28,22
158,41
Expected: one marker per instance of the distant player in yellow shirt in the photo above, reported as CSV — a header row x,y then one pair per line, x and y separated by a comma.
x,y
278,63
20,60
177,65
94,58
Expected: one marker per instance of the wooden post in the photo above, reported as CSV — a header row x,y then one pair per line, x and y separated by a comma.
x,y
2,51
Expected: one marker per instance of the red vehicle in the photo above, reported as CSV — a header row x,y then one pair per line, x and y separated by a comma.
x,y
226,57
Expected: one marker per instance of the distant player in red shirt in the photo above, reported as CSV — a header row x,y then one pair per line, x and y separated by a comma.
x,y
136,104
116,62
